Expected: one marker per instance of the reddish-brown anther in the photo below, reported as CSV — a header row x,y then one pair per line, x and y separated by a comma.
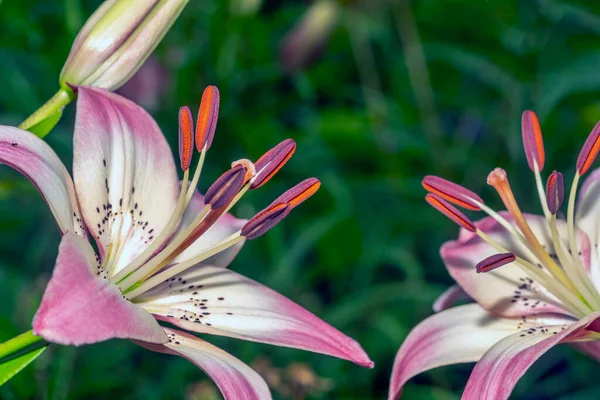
x,y
207,118
265,220
272,161
452,192
299,193
226,187
590,150
532,140
555,191
450,211
495,261
186,139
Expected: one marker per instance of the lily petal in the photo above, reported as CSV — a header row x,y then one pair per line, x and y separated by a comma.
x,y
235,379
225,226
506,291
586,218
79,307
124,175
591,349
498,371
457,335
219,301
447,299
32,157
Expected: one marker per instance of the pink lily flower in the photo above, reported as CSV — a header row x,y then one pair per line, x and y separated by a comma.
x,y
534,279
162,247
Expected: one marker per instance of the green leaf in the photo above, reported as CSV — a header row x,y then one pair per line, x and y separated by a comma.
x,y
11,367
44,127
18,352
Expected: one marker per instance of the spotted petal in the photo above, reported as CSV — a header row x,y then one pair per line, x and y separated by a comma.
x,y
225,226
235,379
457,335
498,371
507,290
219,301
124,175
32,157
79,307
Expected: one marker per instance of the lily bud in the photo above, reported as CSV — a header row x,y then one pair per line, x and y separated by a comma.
x,y
307,39
116,40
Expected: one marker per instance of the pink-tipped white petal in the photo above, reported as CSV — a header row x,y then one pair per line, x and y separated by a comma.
x,y
498,371
218,301
586,218
236,380
591,348
507,290
32,157
457,335
124,174
80,307
225,226
449,298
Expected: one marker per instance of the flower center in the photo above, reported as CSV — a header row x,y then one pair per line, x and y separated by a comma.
x,y
156,264
558,266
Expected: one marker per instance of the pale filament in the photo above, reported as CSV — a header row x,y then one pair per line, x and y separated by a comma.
x,y
502,187
181,267
557,290
185,196
175,247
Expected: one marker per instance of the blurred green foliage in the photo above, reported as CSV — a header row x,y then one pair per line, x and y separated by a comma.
x,y
402,89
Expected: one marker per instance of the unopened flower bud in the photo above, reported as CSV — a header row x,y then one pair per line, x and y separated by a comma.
x,y
309,36
116,40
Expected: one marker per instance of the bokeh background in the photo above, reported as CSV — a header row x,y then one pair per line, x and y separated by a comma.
x,y
377,94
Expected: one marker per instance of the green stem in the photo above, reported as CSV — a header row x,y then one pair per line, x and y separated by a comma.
x,y
57,102
19,344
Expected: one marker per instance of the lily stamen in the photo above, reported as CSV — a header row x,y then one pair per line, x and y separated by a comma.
x,y
177,269
219,199
450,211
257,226
531,270
452,192
495,261
498,180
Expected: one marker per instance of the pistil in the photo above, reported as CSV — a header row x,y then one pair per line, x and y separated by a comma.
x,y
498,180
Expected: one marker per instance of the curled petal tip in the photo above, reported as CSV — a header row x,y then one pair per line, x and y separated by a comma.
x,y
533,140
272,161
450,211
207,117
555,191
452,192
